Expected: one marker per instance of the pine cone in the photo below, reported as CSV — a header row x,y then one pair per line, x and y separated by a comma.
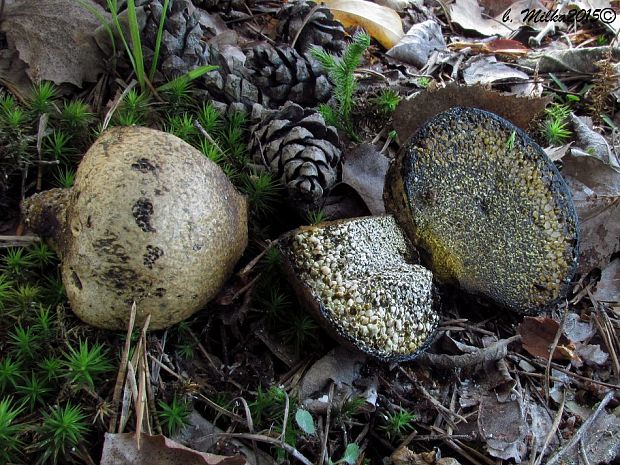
x,y
283,74
320,29
299,149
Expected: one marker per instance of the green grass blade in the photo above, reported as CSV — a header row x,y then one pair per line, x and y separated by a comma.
x,y
136,43
113,7
160,32
188,77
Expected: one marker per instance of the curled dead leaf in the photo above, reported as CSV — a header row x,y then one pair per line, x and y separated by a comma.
x,y
538,334
381,22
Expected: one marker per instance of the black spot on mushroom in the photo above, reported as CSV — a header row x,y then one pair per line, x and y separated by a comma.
x,y
144,166
152,255
76,280
142,211
160,292
109,245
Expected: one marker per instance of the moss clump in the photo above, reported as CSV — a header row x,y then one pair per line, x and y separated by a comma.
x,y
494,217
357,277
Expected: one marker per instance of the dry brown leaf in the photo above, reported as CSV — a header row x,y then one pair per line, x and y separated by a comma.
x,y
55,39
537,336
470,16
412,114
380,22
608,287
596,193
121,449
507,47
503,426
364,170
487,70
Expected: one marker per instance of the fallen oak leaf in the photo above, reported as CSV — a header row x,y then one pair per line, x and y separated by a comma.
x,y
55,38
537,337
121,449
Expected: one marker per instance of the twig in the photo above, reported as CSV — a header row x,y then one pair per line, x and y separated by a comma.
x,y
247,268
228,413
582,430
40,131
323,458
554,427
495,351
556,339
267,440
203,351
116,103
207,136
582,453
12,241
285,419
122,371
304,23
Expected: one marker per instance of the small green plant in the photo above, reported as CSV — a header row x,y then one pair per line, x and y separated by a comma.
x,y
210,119
510,143
268,404
25,342
183,127
65,177
398,423
24,295
262,190
316,217
387,101
86,363
233,138
423,81
301,329
275,304
41,255
6,288
63,430
15,119
58,145
178,94
33,391
10,373
16,261
44,322
42,98
53,289
340,70
173,416
51,367
555,126
10,430
76,115
133,108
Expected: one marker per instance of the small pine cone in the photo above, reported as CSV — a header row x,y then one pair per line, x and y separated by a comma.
x,y
320,29
284,75
300,149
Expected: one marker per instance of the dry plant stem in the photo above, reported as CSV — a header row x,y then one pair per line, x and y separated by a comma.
x,y
115,104
582,453
443,411
18,241
165,368
141,401
557,367
203,351
554,427
267,440
324,457
122,370
43,119
250,266
150,397
582,430
495,351
304,23
207,136
457,446
248,415
554,345
233,416
609,335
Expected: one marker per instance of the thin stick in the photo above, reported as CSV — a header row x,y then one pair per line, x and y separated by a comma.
x,y
140,404
203,351
285,419
304,23
116,103
122,370
554,428
40,131
266,439
207,136
582,430
556,339
324,457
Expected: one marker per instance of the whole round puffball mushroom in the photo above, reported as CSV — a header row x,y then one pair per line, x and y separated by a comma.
x,y
150,219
